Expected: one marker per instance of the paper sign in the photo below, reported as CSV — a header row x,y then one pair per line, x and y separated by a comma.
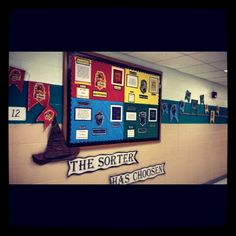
x,y
16,113
131,116
82,114
82,93
82,165
130,133
139,175
81,134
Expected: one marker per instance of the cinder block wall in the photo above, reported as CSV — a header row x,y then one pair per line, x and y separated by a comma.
x,y
193,153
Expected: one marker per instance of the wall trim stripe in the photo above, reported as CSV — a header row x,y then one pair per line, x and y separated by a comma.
x,y
15,98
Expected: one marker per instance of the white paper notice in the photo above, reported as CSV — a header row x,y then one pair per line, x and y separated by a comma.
x,y
82,114
131,116
82,93
131,97
82,134
130,133
83,73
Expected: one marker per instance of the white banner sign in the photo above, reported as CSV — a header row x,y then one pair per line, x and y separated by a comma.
x,y
138,175
80,165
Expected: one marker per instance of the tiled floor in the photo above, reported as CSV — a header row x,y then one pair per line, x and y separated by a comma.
x,y
223,181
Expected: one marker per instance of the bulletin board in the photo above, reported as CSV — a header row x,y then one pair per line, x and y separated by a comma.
x,y
109,101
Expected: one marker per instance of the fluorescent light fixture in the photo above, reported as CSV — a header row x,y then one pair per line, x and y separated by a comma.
x,y
226,71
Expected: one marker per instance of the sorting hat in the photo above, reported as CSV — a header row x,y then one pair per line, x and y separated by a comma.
x,y
57,149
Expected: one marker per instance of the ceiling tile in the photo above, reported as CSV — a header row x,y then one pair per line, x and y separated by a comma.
x,y
219,79
154,56
223,83
209,75
210,56
180,62
220,64
188,53
202,68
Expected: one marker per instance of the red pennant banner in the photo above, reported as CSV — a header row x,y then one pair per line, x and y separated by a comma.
x,y
16,77
47,116
38,93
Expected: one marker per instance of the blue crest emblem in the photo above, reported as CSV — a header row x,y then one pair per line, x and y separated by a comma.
x,y
99,117
142,118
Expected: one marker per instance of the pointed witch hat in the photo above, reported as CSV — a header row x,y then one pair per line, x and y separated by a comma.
x,y
56,147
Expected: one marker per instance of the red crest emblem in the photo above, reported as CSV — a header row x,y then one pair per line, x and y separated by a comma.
x,y
100,80
39,92
16,77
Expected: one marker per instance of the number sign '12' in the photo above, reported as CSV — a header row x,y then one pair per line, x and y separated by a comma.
x,y
16,113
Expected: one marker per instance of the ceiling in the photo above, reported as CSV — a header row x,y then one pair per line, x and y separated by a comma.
x,y
205,65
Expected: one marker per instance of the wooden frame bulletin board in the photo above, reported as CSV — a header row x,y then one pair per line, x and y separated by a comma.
x,y
109,101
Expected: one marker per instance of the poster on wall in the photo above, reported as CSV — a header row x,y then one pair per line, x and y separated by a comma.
x,y
164,108
202,99
181,106
109,101
212,117
206,109
174,113
187,95
194,105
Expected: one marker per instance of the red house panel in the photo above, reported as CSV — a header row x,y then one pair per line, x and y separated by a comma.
x,y
101,86
106,82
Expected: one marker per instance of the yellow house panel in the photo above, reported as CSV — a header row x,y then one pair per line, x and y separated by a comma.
x,y
141,87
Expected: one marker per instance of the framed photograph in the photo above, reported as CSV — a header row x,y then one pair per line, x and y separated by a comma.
x,y
153,85
116,113
152,116
117,76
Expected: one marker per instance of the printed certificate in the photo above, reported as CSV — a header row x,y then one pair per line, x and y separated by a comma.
x,y
83,70
131,116
83,113
153,85
132,81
